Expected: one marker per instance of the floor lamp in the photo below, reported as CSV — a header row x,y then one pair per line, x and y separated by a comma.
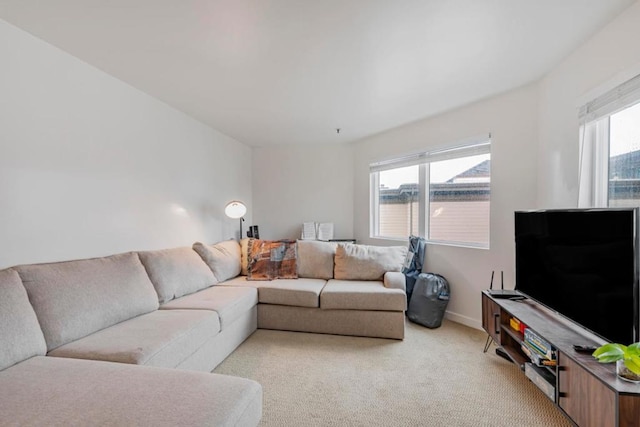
x,y
236,210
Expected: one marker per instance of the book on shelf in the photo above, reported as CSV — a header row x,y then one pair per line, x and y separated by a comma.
x,y
539,345
317,231
535,356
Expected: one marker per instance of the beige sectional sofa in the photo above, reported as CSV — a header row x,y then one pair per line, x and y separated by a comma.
x,y
72,332
342,289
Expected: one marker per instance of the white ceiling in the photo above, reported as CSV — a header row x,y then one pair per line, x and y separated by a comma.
x,y
292,71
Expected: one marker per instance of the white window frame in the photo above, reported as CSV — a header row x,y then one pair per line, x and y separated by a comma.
x,y
472,146
594,117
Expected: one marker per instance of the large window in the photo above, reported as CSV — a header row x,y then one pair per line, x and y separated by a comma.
x,y
610,148
442,195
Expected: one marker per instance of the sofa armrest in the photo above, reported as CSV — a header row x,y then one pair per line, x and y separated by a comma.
x,y
395,279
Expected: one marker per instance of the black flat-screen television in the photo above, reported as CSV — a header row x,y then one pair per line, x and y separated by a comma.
x,y
582,264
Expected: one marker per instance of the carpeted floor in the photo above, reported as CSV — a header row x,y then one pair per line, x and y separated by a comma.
x,y
435,377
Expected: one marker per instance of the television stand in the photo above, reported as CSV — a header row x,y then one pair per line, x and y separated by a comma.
x,y
587,392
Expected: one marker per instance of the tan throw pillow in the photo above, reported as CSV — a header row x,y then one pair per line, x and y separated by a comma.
x,y
222,258
362,262
315,259
244,255
270,260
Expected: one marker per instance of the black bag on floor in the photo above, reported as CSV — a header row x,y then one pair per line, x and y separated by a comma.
x,y
413,264
429,300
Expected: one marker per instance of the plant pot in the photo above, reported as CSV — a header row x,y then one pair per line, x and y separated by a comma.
x,y
625,374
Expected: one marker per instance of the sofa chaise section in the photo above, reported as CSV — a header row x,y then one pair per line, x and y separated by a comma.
x,y
38,390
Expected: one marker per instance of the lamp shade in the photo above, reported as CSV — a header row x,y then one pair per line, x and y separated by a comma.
x,y
235,209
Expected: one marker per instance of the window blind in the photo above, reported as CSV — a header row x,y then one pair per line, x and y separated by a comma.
x,y
482,145
612,101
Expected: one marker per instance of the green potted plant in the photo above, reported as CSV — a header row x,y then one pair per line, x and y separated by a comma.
x,y
627,359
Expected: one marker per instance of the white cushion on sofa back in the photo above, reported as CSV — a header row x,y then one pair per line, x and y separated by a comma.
x,y
362,262
76,298
20,333
176,272
223,258
315,259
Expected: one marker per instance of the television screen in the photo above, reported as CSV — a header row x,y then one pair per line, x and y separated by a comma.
x,y
582,264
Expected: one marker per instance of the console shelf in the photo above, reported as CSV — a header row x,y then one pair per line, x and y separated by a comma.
x,y
587,392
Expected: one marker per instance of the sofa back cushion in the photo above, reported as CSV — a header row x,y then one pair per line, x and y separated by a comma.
x,y
20,333
315,259
76,298
222,258
176,272
362,262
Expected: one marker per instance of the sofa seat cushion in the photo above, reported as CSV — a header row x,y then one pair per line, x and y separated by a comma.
x,y
20,333
176,272
296,292
163,338
76,298
228,302
361,295
51,391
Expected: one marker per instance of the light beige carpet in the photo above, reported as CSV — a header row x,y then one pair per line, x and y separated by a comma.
x,y
435,377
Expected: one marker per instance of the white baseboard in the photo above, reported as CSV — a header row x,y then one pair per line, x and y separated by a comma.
x,y
464,320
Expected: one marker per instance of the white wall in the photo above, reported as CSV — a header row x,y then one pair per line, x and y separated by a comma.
x,y
534,163
511,119
296,184
292,184
606,60
90,166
